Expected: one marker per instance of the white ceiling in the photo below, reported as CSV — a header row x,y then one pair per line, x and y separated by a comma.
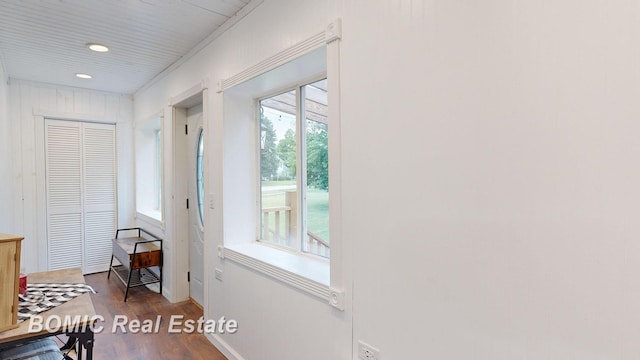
x,y
45,40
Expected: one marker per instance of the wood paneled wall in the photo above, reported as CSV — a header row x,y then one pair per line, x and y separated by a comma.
x,y
29,103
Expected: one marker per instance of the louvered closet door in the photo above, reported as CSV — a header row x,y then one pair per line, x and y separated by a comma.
x,y
99,195
81,194
64,193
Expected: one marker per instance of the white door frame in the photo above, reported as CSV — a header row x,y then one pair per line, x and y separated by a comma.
x,y
179,256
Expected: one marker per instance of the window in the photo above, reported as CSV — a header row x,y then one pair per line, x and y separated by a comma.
x,y
294,169
158,168
275,167
200,175
148,155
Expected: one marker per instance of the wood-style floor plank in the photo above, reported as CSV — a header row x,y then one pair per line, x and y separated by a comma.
x,y
144,304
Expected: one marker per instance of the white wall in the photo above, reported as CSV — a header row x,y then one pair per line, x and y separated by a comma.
x,y
490,178
29,99
5,156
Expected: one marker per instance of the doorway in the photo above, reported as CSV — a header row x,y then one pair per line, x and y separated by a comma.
x,y
189,277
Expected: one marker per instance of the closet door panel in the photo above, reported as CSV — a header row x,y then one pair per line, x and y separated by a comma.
x,y
64,194
99,156
99,230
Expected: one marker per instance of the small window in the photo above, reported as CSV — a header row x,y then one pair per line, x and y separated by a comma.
x,y
200,175
148,155
158,172
294,169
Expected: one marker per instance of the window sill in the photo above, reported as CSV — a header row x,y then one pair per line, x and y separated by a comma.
x,y
152,218
304,272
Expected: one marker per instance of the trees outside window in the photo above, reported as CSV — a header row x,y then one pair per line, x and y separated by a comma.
x,y
294,169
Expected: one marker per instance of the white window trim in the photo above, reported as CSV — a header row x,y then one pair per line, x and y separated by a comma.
x,y
151,220
305,272
300,270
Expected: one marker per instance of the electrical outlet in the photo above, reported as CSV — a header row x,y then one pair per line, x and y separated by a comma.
x,y
367,352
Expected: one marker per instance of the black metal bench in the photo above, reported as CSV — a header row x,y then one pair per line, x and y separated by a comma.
x,y
140,259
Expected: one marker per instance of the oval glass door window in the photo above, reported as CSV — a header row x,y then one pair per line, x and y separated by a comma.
x,y
200,175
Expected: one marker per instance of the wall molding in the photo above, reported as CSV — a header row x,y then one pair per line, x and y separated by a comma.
x,y
282,57
90,118
300,282
192,92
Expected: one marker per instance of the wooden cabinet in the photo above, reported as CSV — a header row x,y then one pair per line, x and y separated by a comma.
x,y
9,280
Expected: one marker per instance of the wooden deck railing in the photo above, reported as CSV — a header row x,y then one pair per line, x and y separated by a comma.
x,y
316,245
283,231
279,234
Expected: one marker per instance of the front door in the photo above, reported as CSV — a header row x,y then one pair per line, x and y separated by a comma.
x,y
196,203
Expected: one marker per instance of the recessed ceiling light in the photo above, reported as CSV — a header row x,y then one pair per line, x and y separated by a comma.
x,y
83,76
98,47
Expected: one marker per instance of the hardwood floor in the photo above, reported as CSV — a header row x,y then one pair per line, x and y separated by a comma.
x,y
143,304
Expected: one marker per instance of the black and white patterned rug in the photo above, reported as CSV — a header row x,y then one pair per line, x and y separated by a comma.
x,y
42,297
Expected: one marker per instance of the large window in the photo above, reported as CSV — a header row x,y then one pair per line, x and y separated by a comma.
x,y
294,169
281,168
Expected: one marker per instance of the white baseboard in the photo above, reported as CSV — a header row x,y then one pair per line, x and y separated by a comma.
x,y
224,348
166,293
